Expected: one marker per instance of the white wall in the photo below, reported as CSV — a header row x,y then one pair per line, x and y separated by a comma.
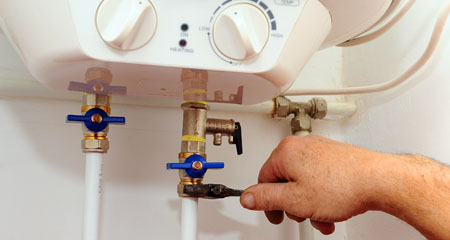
x,y
414,118
41,168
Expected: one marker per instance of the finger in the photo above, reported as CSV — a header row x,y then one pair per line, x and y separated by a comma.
x,y
275,217
324,227
295,218
270,196
270,171
274,169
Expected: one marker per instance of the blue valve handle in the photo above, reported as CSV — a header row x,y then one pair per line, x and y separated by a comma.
x,y
96,126
189,169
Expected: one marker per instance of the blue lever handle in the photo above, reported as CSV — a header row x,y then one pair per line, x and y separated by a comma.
x,y
101,123
179,165
188,166
114,120
77,118
216,165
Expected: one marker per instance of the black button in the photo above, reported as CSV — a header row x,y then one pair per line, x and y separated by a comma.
x,y
184,27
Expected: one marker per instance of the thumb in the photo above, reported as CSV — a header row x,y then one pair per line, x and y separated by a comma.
x,y
269,196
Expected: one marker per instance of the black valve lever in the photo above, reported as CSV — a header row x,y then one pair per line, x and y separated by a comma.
x,y
237,138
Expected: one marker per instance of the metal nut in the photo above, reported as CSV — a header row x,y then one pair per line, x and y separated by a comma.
x,y
95,145
96,73
96,100
319,108
301,123
282,108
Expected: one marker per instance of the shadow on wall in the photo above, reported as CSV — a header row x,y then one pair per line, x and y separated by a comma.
x,y
222,224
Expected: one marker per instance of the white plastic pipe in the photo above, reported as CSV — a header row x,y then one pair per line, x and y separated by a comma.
x,y
189,207
306,231
337,109
93,190
301,133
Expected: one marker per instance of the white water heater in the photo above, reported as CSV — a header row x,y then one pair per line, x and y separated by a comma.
x,y
252,49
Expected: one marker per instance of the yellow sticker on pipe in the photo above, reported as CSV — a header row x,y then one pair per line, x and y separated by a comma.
x,y
192,138
195,102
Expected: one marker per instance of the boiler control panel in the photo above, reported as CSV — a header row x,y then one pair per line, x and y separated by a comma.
x,y
252,50
226,35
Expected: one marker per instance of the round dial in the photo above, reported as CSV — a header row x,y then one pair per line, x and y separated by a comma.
x,y
126,24
241,31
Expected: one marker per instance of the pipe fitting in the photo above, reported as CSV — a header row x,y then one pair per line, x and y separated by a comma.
x,y
95,113
301,122
192,164
316,108
195,109
194,85
184,177
95,141
319,108
303,112
194,127
193,139
281,107
91,100
219,128
97,73
95,145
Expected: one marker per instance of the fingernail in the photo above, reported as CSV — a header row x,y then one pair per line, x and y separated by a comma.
x,y
248,201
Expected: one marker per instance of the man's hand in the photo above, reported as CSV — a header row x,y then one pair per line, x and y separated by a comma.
x,y
311,177
327,182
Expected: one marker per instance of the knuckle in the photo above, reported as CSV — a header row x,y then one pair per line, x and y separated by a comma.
x,y
288,140
313,138
289,143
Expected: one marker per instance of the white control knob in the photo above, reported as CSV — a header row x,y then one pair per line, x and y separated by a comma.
x,y
126,24
241,31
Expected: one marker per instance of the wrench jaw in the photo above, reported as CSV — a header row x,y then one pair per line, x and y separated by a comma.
x,y
208,191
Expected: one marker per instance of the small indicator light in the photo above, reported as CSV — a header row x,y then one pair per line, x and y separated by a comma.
x,y
184,27
183,43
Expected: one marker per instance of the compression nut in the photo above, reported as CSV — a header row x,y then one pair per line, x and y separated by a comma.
x,y
95,145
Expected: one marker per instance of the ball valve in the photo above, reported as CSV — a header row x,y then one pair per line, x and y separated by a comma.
x,y
195,166
96,119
